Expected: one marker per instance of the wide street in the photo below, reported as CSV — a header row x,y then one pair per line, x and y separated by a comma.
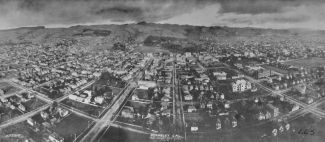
x,y
107,120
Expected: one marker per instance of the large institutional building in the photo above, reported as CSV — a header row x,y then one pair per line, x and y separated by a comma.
x,y
241,85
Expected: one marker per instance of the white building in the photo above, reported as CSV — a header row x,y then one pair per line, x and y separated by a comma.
x,y
241,85
188,54
220,75
188,97
146,84
99,99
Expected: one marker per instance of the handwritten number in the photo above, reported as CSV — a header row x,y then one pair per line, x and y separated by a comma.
x,y
307,132
312,132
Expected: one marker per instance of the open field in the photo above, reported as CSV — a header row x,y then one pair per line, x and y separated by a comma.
x,y
9,114
88,109
308,63
20,129
7,88
275,69
72,126
33,104
264,134
120,135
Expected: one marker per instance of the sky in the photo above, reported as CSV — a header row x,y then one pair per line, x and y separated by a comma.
x,y
279,14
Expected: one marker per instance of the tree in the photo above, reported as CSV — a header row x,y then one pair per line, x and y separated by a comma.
x,y
119,46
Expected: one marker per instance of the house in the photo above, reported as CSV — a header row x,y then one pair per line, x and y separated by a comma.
x,y
87,100
63,112
210,104
202,105
218,124
188,54
268,115
31,122
191,109
275,132
194,128
295,107
220,75
234,122
150,118
22,107
254,88
276,87
165,99
146,84
239,65
166,90
222,96
4,100
135,97
44,115
166,112
188,97
127,112
99,99
281,129
302,89
76,98
241,85
273,110
310,100
227,105
88,92
54,137
164,105
261,116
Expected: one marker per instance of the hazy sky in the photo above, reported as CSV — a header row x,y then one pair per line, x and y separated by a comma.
x,y
240,13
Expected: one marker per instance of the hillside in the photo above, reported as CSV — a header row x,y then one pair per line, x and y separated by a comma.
x,y
173,35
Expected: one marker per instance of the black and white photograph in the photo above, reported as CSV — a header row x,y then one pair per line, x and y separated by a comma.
x,y
162,70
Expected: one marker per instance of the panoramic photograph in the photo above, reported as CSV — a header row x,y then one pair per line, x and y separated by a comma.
x,y
162,70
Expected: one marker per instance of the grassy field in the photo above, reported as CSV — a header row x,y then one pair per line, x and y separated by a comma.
x,y
33,104
308,63
71,126
7,88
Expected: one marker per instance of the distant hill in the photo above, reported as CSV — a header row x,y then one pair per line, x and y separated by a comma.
x,y
108,35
